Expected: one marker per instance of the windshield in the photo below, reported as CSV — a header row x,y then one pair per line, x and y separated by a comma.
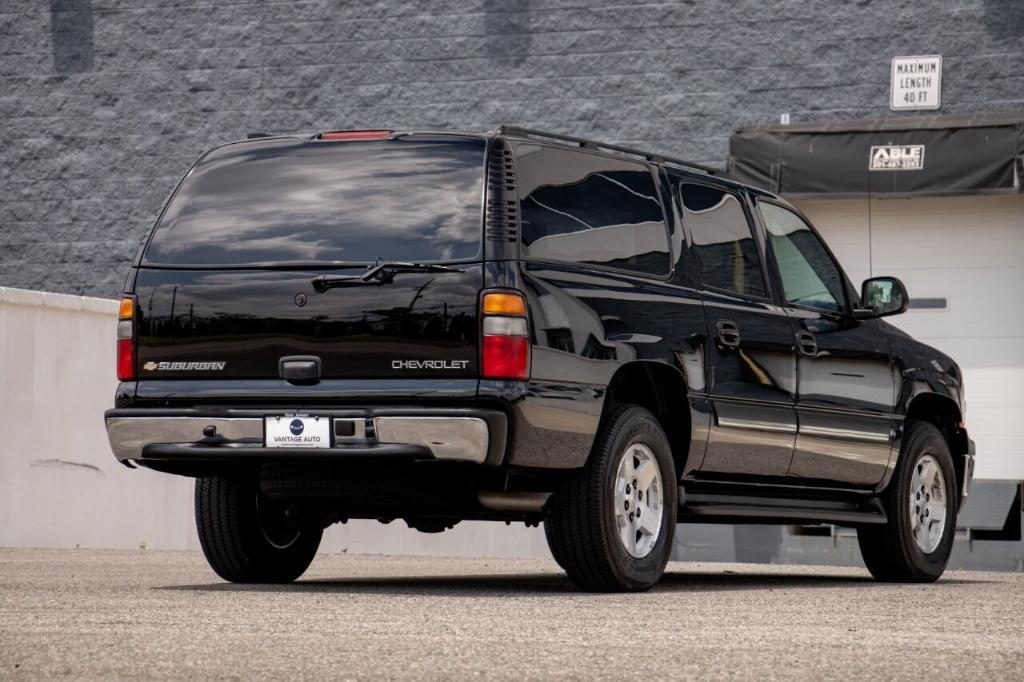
x,y
411,198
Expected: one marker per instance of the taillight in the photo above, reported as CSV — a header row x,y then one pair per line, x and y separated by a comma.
x,y
503,303
505,346
126,340
356,135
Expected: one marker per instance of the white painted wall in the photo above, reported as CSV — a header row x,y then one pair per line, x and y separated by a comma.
x,y
61,487
969,250
59,484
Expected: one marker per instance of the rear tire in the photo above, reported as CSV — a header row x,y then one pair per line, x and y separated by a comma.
x,y
921,503
246,537
596,531
556,552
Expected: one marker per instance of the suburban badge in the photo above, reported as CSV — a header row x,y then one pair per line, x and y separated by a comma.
x,y
184,366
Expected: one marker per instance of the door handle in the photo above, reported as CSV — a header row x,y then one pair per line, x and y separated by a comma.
x,y
807,344
728,333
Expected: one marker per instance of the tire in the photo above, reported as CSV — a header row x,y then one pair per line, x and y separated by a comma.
x,y
905,550
555,550
245,537
587,535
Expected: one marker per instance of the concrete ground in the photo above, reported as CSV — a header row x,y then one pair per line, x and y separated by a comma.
x,y
149,614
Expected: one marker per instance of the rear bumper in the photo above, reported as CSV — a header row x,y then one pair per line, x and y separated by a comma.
x,y
469,435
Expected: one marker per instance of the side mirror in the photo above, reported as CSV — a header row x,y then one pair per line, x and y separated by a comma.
x,y
880,297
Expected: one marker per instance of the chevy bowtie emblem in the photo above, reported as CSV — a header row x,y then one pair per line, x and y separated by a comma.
x,y
149,366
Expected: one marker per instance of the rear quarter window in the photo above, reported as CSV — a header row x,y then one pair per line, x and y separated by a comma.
x,y
580,207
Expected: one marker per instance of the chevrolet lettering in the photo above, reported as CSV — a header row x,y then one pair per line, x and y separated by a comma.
x,y
429,364
520,326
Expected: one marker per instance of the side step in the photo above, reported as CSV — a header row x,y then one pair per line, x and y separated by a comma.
x,y
716,508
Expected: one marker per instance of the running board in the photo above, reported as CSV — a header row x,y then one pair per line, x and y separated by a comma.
x,y
711,508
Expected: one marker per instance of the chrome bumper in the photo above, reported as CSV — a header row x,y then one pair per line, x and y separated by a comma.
x,y
446,437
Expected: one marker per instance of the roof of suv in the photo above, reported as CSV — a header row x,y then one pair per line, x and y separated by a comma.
x,y
530,134
505,131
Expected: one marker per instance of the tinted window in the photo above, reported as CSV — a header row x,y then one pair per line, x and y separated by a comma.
x,y
809,275
723,240
585,208
288,201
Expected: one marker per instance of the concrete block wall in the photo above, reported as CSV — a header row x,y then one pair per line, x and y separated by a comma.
x,y
104,104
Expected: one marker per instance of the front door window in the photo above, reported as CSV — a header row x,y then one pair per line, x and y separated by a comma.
x,y
809,275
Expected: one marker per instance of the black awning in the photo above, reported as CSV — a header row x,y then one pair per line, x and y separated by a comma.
x,y
904,156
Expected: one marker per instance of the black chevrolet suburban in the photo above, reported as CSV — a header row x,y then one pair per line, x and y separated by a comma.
x,y
529,327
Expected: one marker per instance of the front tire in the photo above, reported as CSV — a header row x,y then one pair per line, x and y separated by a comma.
x,y
921,503
612,524
248,538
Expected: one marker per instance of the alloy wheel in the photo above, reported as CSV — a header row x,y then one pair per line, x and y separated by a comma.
x,y
638,500
927,504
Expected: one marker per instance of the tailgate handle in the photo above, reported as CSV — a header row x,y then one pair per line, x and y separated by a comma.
x,y
299,368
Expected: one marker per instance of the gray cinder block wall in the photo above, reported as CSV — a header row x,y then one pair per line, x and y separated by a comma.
x,y
105,103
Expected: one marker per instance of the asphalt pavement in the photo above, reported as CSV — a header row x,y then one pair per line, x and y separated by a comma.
x,y
149,614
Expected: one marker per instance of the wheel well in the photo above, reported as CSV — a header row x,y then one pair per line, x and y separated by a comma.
x,y
662,390
945,415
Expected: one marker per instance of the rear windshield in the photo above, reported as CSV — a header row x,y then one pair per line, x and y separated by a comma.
x,y
411,198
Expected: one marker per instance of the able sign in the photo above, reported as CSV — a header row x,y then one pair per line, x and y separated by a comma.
x,y
916,83
896,157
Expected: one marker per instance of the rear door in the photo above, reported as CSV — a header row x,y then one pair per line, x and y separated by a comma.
x,y
226,288
846,385
752,372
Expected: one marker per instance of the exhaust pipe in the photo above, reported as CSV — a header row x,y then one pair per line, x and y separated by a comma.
x,y
515,502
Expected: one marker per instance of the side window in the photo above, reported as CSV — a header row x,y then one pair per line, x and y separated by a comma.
x,y
723,240
585,208
809,275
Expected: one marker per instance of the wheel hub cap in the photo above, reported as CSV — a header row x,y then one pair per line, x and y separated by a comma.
x,y
927,504
638,500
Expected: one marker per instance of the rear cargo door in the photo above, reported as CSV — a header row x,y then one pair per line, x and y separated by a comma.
x,y
228,283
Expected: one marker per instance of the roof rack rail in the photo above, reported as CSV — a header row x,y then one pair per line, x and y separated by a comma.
x,y
593,144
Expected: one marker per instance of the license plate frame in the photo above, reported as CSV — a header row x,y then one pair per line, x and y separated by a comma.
x,y
291,431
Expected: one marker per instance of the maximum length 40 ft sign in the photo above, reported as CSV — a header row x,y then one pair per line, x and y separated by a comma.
x,y
916,83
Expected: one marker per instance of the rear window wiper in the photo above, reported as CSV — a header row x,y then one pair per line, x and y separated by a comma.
x,y
383,272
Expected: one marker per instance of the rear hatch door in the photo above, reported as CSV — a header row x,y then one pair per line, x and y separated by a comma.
x,y
228,283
